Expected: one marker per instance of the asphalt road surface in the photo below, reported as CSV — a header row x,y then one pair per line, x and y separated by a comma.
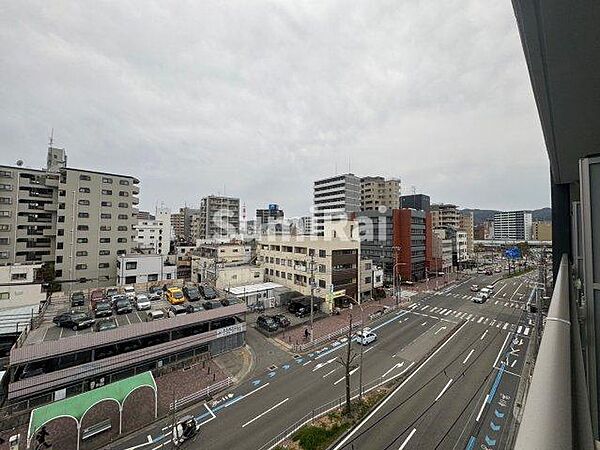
x,y
462,396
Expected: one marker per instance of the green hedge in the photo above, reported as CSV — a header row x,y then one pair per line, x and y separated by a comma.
x,y
318,438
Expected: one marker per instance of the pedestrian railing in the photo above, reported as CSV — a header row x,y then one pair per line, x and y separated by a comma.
x,y
320,340
207,392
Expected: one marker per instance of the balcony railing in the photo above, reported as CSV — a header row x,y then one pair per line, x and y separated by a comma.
x,y
557,414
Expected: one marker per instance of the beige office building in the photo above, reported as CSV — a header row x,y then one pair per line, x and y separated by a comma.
x,y
467,225
445,215
333,258
377,191
541,231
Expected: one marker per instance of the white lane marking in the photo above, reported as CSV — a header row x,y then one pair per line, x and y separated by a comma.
x,y
470,315
343,378
306,363
496,302
442,328
443,311
501,348
480,320
486,320
526,331
483,335
492,322
330,372
369,349
482,406
265,412
468,356
323,364
424,307
448,313
396,366
443,390
465,296
519,329
414,430
505,326
513,363
397,389
423,324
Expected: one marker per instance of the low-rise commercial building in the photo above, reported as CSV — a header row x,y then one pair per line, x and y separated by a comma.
x,y
139,268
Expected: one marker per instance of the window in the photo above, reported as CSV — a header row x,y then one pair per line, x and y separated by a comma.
x,y
121,252
83,215
106,204
121,228
83,228
6,173
81,253
4,241
106,192
83,202
123,217
124,182
81,267
61,219
131,265
62,193
59,245
85,178
123,194
4,227
59,260
4,213
61,206
152,277
168,276
105,227
123,205
4,295
104,252
107,180
322,284
82,240
105,240
121,240
5,187
105,216
18,276
132,279
84,190
103,265
5,200
322,254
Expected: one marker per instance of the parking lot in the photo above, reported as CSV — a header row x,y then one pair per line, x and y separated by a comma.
x,y
54,332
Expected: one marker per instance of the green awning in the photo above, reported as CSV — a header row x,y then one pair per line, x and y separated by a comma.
x,y
78,405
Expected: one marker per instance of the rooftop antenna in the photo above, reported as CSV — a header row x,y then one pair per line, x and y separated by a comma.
x,y
51,137
349,171
413,188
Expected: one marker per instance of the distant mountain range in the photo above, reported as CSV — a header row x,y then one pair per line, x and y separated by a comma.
x,y
481,215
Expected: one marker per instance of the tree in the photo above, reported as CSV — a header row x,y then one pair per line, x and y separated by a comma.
x,y
47,276
347,364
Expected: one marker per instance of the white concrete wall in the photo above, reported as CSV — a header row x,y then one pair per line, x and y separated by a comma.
x,y
17,293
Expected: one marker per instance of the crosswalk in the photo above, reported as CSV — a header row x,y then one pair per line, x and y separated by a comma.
x,y
422,309
466,296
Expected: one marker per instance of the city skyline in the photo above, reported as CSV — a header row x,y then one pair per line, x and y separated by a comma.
x,y
291,95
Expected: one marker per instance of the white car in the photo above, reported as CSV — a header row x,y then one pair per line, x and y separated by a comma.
x,y
142,302
485,293
474,288
368,337
490,287
129,291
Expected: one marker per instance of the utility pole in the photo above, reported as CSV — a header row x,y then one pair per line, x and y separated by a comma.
x,y
312,295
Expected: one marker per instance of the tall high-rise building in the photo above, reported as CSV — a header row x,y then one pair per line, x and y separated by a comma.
x,y
445,215
420,202
376,192
178,224
219,217
512,225
272,215
334,198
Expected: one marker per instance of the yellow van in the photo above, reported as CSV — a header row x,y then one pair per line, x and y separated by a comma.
x,y
175,296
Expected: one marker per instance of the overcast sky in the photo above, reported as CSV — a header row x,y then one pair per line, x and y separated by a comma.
x,y
259,99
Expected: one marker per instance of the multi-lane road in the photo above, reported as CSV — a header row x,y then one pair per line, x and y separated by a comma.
x,y
461,396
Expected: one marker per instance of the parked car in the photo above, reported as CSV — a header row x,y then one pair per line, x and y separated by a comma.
x,y
192,293
75,321
211,304
489,272
365,337
267,323
193,307
103,309
177,310
498,269
77,299
117,297
111,291
129,292
106,324
155,315
282,320
96,296
228,301
142,302
303,311
490,287
175,296
123,306
155,293
207,292
474,288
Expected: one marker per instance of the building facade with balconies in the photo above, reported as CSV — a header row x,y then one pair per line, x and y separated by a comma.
x,y
219,218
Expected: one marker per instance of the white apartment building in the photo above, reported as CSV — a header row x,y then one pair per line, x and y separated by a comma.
x,y
137,268
155,234
219,217
441,251
333,259
376,192
335,198
513,225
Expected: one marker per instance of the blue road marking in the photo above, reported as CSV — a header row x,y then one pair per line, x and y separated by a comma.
x,y
496,384
471,443
229,403
285,366
255,382
272,374
489,441
498,414
494,427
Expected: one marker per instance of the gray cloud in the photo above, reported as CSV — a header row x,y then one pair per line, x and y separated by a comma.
x,y
261,98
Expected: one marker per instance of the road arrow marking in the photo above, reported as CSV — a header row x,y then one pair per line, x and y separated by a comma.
x,y
323,364
397,366
441,329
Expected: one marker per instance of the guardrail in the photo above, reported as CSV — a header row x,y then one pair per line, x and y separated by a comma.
x,y
207,392
556,413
